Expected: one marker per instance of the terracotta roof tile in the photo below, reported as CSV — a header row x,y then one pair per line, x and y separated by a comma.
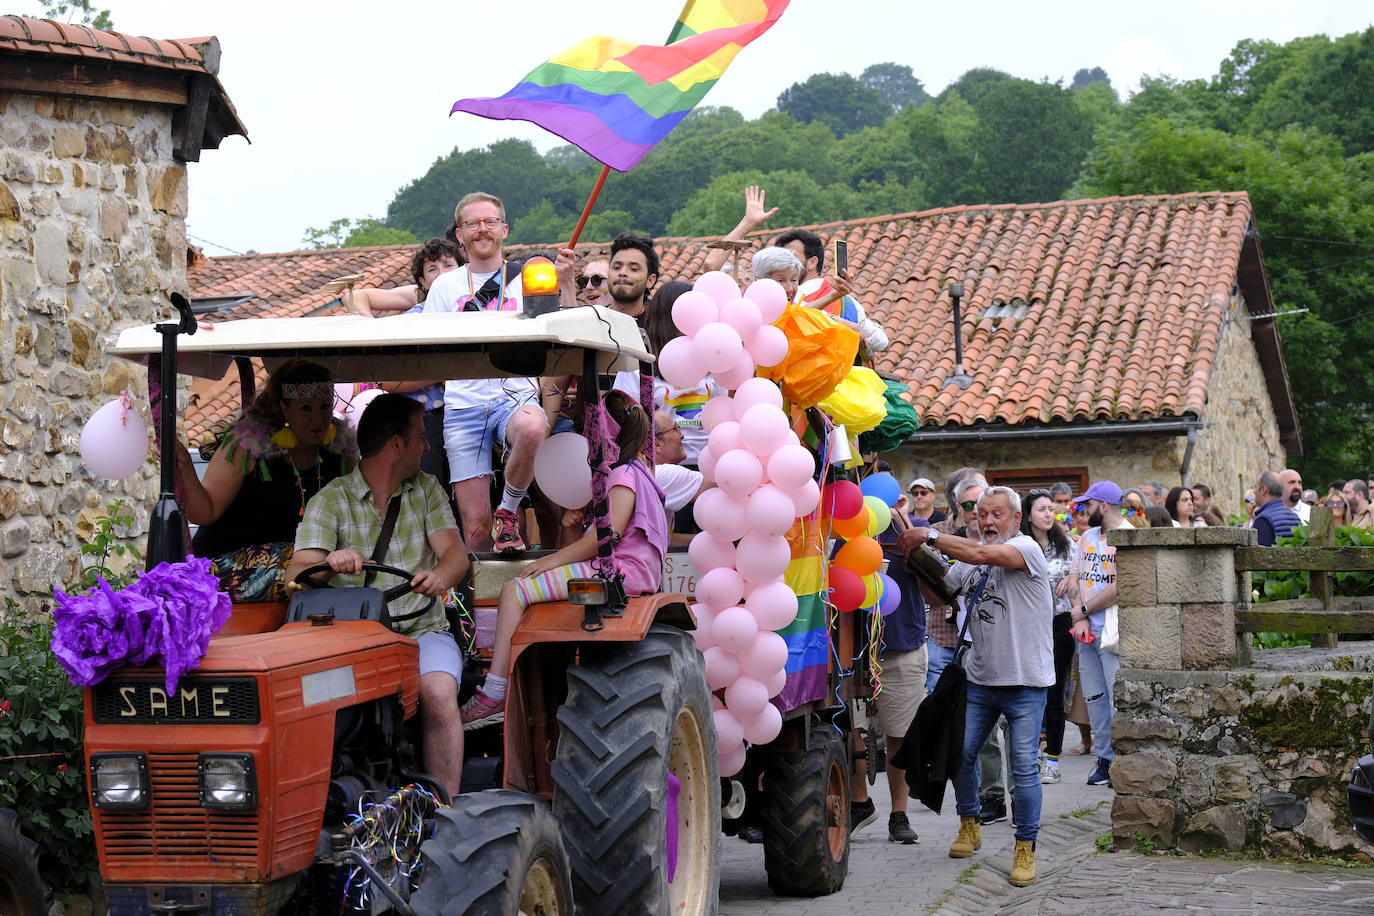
x,y
44,36
1124,301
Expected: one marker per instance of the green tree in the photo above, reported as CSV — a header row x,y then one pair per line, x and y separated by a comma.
x,y
1030,140
947,163
1085,77
800,199
511,169
348,233
80,11
839,101
898,86
973,83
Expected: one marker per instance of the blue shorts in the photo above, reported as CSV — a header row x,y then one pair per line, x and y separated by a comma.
x,y
439,652
470,433
562,425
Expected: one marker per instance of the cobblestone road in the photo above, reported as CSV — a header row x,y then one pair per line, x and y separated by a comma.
x,y
1073,878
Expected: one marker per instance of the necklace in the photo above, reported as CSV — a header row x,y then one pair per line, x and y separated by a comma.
x,y
500,292
300,483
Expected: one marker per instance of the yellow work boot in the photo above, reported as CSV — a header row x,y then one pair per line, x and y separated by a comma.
x,y
1022,863
969,840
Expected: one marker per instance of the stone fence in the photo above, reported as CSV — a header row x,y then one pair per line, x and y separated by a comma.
x,y
1218,747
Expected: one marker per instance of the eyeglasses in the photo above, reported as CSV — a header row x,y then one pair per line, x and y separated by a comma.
x,y
921,491
1036,493
660,433
1335,504
969,505
592,280
491,222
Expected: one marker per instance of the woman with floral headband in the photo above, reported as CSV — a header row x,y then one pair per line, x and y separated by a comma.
x,y
280,453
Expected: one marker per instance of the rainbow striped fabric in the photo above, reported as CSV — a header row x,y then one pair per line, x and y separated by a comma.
x,y
808,636
616,99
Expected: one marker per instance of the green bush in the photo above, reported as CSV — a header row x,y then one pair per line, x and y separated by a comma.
x,y
1284,585
42,764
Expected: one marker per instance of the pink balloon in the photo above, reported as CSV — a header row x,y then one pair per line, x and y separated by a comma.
x,y
806,498
761,558
559,465
735,630
732,759
776,683
704,634
694,309
769,296
764,727
706,462
769,511
722,667
739,472
679,365
720,588
746,697
768,346
729,732
715,512
765,656
742,372
763,429
114,441
773,604
791,466
743,316
708,552
717,411
720,286
724,438
717,346
756,391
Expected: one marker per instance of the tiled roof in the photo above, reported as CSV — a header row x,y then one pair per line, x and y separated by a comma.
x,y
1123,298
44,36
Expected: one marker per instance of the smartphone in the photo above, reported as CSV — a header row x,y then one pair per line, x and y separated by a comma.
x,y
841,258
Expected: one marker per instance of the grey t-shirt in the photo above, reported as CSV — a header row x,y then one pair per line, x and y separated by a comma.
x,y
1013,644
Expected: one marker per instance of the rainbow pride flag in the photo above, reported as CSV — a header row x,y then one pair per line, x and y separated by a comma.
x,y
617,99
808,636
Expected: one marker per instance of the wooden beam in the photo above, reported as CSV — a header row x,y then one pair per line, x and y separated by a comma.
x,y
87,78
1335,559
1321,532
1269,618
188,124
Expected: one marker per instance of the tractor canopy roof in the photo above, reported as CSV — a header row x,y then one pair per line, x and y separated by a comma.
x,y
416,347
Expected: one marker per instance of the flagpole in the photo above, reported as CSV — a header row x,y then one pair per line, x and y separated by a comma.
x,y
591,202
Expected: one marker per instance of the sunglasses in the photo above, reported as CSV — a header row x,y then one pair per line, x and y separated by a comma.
x,y
969,505
592,280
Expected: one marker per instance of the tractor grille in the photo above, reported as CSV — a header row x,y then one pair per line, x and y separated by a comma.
x,y
176,825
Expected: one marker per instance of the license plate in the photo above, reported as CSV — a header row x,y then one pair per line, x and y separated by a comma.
x,y
146,701
679,575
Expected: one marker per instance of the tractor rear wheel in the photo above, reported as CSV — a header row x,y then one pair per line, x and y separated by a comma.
x,y
21,889
805,817
494,853
637,787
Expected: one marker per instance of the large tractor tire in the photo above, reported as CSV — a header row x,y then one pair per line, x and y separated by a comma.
x,y
805,817
21,889
494,853
636,772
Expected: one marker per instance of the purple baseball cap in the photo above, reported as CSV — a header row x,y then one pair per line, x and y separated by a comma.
x,y
1102,491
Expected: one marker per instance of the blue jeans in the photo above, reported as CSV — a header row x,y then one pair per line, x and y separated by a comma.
x,y
937,657
1097,677
1024,708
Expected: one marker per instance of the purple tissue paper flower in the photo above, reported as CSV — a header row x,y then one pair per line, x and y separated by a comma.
x,y
168,615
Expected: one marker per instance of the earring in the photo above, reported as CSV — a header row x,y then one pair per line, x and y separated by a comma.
x,y
285,438
330,434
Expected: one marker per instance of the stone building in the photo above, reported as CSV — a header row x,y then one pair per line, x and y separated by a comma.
x,y
96,129
1125,338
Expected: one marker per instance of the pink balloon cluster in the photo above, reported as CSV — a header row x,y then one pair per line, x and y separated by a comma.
x,y
764,481
724,333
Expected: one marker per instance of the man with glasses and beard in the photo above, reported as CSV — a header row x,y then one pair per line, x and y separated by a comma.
x,y
1004,578
1095,571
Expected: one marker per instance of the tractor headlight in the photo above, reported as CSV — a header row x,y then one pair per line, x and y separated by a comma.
x,y
228,781
119,780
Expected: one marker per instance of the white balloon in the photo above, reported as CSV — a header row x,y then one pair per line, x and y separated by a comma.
x,y
113,447
562,471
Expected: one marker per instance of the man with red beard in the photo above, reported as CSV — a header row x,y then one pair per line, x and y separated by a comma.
x,y
1005,578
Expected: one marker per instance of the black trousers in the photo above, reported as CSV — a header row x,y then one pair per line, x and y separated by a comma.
x,y
1054,699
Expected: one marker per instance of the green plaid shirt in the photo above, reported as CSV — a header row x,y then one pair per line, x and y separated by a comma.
x,y
342,516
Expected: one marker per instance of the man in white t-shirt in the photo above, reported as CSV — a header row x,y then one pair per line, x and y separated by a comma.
x,y
479,412
1095,570
1005,580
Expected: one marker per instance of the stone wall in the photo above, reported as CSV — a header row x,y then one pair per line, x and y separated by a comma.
x,y
1218,748
92,238
1241,437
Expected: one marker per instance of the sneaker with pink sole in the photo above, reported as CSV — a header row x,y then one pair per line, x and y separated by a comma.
x,y
482,710
505,533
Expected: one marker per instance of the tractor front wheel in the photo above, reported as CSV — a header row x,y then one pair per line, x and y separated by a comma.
x,y
494,853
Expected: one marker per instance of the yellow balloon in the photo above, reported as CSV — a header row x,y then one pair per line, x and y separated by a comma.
x,y
873,590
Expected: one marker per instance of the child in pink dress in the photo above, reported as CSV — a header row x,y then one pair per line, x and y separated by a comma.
x,y
640,524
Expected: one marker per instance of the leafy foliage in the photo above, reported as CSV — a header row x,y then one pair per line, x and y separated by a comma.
x,y
1284,585
898,86
79,11
839,101
107,545
348,233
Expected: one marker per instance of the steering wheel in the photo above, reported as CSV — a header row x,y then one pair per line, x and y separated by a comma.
x,y
306,577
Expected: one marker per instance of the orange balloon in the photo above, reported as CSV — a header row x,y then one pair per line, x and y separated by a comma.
x,y
862,556
848,528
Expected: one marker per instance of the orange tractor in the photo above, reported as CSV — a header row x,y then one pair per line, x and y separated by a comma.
x,y
281,775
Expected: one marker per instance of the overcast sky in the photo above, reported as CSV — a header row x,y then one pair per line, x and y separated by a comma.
x,y
345,102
